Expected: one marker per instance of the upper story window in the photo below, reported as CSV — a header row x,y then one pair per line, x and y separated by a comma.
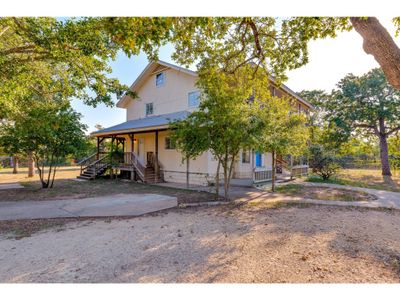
x,y
194,99
160,79
149,109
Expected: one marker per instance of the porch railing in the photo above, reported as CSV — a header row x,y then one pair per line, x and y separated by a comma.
x,y
101,163
140,169
262,175
86,162
300,170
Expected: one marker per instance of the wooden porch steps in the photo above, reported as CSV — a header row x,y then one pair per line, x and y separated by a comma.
x,y
90,173
150,176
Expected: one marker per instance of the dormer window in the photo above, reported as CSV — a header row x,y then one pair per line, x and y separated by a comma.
x,y
160,79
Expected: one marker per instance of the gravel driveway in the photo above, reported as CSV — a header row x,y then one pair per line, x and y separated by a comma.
x,y
215,244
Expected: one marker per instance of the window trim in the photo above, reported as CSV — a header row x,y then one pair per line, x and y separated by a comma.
x,y
188,98
163,77
145,109
170,143
248,156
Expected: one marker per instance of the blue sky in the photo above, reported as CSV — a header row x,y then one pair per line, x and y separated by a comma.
x,y
329,61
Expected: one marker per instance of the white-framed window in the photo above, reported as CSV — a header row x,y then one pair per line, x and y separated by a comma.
x,y
149,109
160,79
246,156
169,143
194,99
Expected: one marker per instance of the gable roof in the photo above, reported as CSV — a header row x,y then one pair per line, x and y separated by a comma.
x,y
142,124
160,65
152,67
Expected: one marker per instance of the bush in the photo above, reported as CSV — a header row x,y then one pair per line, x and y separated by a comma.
x,y
322,162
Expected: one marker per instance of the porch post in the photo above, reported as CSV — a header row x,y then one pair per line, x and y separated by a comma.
x,y
156,155
131,135
132,141
112,150
98,148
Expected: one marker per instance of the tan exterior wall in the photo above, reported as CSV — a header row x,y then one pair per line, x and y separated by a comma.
x,y
170,159
245,170
171,97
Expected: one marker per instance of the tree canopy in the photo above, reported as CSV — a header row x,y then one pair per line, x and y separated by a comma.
x,y
366,104
49,130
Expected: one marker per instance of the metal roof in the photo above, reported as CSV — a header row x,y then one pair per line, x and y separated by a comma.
x,y
143,124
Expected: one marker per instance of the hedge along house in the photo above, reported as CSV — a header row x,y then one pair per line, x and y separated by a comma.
x,y
167,92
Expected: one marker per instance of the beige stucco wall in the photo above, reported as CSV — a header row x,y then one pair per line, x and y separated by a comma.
x,y
172,96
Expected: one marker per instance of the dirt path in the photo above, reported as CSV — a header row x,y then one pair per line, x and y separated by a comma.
x,y
216,244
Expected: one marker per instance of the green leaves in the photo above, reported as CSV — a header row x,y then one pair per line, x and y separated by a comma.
x,y
49,129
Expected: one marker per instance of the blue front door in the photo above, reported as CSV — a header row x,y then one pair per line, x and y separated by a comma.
x,y
258,159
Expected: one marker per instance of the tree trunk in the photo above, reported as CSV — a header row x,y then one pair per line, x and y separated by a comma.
x,y
187,171
273,171
383,147
217,180
15,165
31,165
379,43
225,167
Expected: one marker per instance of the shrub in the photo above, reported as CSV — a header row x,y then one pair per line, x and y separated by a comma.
x,y
322,163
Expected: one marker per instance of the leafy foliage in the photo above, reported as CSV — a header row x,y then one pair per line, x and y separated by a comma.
x,y
281,129
322,162
50,130
277,45
367,104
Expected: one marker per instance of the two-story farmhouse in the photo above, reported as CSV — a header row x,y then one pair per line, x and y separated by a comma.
x,y
168,92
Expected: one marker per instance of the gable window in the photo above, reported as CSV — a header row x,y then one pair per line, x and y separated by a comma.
x,y
194,99
169,143
160,79
149,109
245,156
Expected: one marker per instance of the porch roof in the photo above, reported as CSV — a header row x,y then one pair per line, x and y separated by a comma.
x,y
138,125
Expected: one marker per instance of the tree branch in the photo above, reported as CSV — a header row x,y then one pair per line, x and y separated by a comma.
x,y
379,43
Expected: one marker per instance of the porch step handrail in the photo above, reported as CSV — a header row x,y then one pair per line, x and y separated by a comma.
x,y
140,169
100,164
83,161
86,162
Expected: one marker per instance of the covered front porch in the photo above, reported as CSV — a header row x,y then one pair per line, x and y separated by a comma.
x,y
133,155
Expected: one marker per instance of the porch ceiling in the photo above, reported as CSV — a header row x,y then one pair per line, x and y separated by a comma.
x,y
142,125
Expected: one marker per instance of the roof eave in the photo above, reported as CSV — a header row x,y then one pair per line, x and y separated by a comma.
x,y
126,131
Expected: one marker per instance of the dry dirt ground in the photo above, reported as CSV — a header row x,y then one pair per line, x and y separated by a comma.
x,y
65,188
247,243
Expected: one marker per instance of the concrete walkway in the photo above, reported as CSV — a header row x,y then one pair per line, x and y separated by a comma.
x,y
106,206
10,186
385,199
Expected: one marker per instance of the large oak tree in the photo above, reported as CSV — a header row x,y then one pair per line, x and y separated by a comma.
x,y
368,103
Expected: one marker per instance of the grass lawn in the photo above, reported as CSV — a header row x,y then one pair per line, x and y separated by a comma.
x,y
65,188
363,178
322,193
